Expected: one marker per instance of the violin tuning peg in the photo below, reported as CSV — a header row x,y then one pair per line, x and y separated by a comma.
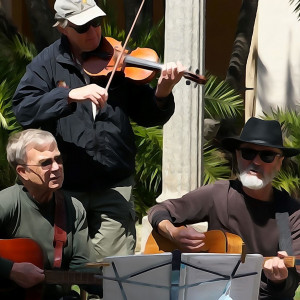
x,y
197,72
190,68
188,82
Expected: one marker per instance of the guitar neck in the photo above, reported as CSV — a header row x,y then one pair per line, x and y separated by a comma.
x,y
289,261
71,277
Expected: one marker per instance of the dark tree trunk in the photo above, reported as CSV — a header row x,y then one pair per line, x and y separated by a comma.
x,y
237,66
131,8
41,18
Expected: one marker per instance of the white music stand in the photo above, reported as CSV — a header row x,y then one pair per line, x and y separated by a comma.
x,y
181,276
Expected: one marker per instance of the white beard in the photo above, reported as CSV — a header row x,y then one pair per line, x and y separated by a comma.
x,y
251,181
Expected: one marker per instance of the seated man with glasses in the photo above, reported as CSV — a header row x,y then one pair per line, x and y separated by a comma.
x,y
264,217
36,209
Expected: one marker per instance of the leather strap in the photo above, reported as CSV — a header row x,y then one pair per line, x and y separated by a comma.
x,y
285,238
60,234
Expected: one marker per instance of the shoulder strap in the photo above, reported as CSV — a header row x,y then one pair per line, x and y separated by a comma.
x,y
60,234
283,223
285,238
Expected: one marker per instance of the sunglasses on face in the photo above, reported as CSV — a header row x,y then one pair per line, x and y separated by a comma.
x,y
85,27
265,155
47,164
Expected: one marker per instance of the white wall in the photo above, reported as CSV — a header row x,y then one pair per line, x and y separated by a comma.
x,y
278,60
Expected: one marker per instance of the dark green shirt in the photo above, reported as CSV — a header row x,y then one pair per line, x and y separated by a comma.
x,y
22,217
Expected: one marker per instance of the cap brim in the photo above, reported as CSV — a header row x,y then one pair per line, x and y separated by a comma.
x,y
232,143
86,16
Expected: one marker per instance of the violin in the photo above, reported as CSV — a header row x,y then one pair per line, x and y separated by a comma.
x,y
139,65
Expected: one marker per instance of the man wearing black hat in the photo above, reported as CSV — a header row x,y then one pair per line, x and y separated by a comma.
x,y
268,220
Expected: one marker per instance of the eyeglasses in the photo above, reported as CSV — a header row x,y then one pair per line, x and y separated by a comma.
x,y
47,164
265,155
85,27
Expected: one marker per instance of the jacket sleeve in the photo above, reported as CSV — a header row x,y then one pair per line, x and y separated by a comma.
x,y
191,208
5,267
143,105
37,98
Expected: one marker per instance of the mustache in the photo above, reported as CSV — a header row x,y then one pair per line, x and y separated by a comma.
x,y
254,168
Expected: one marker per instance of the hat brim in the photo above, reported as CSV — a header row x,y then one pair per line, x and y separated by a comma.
x,y
232,143
86,16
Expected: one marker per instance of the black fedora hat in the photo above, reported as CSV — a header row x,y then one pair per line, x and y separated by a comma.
x,y
260,132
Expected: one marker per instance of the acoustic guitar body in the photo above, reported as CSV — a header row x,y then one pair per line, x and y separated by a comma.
x,y
21,250
216,241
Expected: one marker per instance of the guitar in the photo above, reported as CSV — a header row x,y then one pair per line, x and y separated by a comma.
x,y
27,250
215,241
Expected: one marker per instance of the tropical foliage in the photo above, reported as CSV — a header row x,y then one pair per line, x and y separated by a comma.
x,y
297,6
16,54
288,177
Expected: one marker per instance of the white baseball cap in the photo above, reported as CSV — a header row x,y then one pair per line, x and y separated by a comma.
x,y
78,12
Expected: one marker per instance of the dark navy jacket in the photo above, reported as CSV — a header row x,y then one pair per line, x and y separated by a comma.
x,y
97,153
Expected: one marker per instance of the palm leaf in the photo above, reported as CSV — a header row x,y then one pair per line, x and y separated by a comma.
x,y
288,177
7,118
221,100
149,156
297,6
216,166
288,180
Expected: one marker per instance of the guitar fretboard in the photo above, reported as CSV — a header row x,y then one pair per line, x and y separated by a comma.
x,y
71,277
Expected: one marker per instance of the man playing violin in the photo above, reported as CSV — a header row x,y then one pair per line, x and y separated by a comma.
x,y
92,124
247,206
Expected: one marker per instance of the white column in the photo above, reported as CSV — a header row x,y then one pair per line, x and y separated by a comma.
x,y
183,142
183,139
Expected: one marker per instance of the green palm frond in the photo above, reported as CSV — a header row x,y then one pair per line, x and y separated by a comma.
x,y
288,180
8,124
7,118
16,52
216,166
221,100
288,177
149,156
290,122
297,7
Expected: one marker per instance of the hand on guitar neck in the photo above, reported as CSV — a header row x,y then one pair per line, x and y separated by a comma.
x,y
275,268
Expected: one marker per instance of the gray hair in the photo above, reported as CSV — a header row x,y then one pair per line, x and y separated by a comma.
x,y
18,142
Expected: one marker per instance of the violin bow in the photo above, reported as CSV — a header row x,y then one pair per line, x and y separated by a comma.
x,y
123,48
